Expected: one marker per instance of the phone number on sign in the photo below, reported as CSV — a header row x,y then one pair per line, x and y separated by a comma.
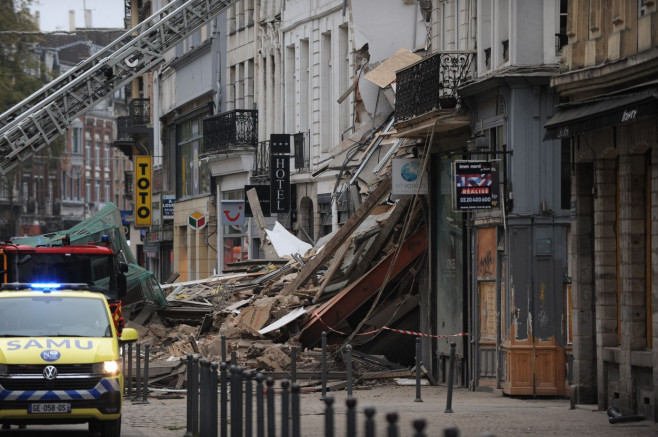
x,y
475,199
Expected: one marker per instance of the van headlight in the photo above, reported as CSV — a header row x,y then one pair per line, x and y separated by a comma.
x,y
108,368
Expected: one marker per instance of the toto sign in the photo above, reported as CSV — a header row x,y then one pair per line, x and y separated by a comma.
x,y
143,191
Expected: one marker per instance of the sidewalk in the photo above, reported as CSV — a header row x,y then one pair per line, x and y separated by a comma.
x,y
474,413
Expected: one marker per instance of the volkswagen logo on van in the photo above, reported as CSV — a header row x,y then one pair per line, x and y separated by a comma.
x,y
50,373
50,355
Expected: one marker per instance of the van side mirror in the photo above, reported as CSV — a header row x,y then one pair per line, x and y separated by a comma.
x,y
128,335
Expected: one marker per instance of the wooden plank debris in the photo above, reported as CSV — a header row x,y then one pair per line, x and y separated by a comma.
x,y
257,212
383,189
335,265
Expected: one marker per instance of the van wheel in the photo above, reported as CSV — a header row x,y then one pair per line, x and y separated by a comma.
x,y
106,428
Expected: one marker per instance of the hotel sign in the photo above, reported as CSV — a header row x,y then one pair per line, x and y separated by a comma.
x,y
279,173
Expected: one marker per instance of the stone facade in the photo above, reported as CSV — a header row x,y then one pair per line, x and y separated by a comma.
x,y
610,121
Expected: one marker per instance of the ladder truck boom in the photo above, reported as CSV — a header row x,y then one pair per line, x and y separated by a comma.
x,y
39,119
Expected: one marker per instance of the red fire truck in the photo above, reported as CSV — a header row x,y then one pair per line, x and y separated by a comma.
x,y
94,265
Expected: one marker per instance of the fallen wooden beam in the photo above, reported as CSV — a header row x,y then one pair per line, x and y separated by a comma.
x,y
254,204
342,305
386,374
335,265
382,190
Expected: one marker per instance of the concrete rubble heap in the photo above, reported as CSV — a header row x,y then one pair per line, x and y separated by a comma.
x,y
348,283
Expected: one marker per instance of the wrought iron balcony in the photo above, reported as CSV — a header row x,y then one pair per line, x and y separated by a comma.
x,y
128,184
228,130
140,112
431,83
123,128
261,171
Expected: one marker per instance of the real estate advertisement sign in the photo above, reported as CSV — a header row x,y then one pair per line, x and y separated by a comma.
x,y
168,206
475,185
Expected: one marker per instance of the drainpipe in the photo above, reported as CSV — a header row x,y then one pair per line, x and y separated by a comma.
x,y
500,253
473,329
220,228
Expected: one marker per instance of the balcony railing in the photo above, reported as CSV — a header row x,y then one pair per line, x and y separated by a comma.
x,y
431,84
123,128
128,184
140,112
237,128
261,171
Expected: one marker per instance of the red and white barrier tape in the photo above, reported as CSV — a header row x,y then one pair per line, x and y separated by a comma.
x,y
401,331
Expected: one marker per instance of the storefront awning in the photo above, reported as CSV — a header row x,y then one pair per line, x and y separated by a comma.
x,y
587,116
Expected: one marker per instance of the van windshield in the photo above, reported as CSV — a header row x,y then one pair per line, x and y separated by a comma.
x,y
53,316
95,270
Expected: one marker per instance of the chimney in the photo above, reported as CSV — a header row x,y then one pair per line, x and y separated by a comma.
x,y
88,18
71,20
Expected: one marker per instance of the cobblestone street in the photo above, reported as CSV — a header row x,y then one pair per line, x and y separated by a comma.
x,y
474,413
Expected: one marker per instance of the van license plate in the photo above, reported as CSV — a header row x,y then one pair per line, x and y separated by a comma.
x,y
49,408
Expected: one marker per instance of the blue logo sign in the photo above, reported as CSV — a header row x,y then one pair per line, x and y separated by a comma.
x,y
50,355
410,171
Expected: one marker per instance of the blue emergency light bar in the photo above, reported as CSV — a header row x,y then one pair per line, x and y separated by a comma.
x,y
45,285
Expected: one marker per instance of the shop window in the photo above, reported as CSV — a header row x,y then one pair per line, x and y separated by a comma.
x,y
193,175
235,237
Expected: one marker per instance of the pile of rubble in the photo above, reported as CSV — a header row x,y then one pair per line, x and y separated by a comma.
x,y
350,284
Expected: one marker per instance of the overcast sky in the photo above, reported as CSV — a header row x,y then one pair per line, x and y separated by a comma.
x,y
54,14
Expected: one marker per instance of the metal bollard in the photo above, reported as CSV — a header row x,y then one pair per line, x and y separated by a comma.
x,y
195,394
138,372
285,406
348,365
190,374
234,357
370,421
234,404
223,337
260,408
130,370
237,420
324,364
270,407
419,364
451,431
419,426
451,373
392,419
203,395
296,411
146,373
213,399
329,416
351,416
248,404
293,364
224,399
